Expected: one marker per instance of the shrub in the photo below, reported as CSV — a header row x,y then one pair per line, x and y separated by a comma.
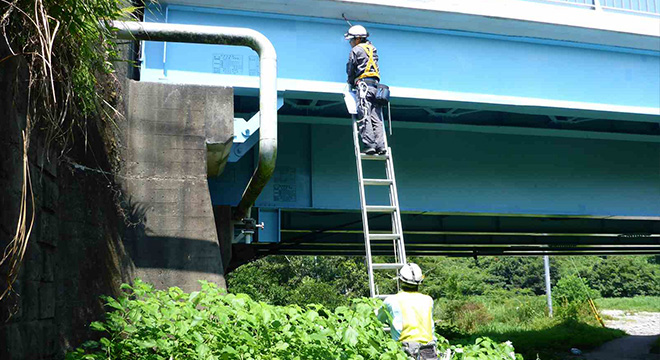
x,y
449,331
284,280
466,315
573,289
570,296
151,324
485,348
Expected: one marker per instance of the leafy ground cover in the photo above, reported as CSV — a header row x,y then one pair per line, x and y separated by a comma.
x,y
211,325
499,297
637,303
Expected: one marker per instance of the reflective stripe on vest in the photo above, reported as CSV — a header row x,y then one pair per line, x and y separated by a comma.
x,y
372,68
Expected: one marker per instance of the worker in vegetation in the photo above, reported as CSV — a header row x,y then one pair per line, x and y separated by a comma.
x,y
410,315
364,76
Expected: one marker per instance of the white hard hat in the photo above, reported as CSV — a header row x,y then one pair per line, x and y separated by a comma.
x,y
356,31
411,274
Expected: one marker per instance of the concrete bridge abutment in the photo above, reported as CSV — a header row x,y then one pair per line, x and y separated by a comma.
x,y
173,239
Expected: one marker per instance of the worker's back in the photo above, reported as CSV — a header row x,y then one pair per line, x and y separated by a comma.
x,y
412,317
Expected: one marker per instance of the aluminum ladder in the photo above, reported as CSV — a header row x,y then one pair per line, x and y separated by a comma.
x,y
396,236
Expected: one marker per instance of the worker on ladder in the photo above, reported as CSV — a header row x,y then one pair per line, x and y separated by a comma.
x,y
364,76
410,315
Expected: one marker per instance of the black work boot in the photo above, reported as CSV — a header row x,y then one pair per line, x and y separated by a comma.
x,y
370,151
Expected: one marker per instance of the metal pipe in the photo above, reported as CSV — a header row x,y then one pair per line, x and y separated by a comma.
x,y
132,30
548,286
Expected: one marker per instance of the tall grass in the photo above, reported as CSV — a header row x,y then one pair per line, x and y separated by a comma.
x,y
522,320
637,303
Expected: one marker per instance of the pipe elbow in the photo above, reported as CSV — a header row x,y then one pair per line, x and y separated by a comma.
x,y
267,91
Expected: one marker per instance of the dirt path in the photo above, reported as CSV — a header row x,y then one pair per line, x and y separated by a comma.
x,y
643,327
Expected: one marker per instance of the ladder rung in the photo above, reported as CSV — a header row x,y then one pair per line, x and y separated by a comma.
x,y
393,266
382,297
373,157
381,208
377,181
384,236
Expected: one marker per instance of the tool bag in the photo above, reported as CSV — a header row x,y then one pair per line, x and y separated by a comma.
x,y
382,94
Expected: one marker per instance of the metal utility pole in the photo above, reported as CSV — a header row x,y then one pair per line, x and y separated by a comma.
x,y
548,287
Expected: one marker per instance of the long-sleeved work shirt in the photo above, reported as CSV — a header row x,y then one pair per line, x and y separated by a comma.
x,y
357,62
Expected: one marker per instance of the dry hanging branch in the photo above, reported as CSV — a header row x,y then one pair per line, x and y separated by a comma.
x,y
68,57
15,251
46,33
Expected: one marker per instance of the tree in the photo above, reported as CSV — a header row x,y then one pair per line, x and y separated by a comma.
x,y
521,272
625,276
284,280
453,278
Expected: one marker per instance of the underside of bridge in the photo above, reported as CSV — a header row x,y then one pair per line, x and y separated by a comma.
x,y
426,234
615,231
525,132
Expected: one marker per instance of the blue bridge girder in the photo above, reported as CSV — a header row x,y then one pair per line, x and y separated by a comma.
x,y
559,127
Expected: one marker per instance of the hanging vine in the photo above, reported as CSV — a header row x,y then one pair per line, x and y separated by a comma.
x,y
68,55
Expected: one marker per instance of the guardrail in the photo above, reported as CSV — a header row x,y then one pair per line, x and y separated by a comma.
x,y
641,7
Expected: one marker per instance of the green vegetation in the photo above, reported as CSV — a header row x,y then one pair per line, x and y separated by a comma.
x,y
637,303
64,86
497,297
626,276
612,276
552,339
332,281
148,324
68,54
314,308
523,321
572,289
300,280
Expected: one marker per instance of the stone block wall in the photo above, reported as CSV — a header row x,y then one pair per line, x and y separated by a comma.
x,y
93,231
74,253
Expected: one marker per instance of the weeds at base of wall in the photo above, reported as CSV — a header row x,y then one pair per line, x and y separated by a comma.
x,y
145,323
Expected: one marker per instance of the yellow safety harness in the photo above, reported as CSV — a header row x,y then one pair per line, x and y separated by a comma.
x,y
372,68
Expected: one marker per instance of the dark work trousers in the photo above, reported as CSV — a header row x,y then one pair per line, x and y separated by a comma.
x,y
417,351
370,125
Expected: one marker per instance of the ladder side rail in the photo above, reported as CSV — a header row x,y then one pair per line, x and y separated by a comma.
x,y
393,217
363,209
396,227
395,196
